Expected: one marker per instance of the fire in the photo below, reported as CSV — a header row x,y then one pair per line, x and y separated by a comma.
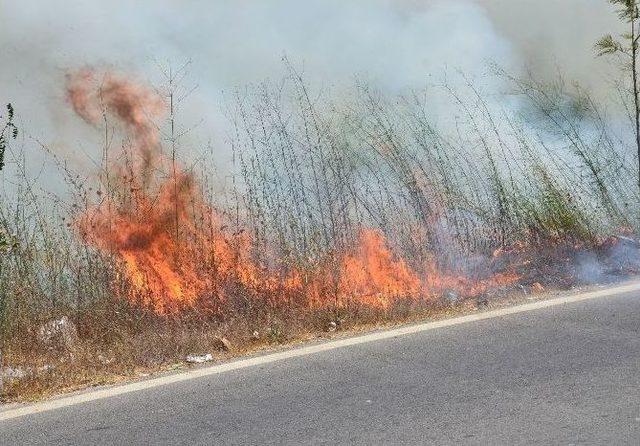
x,y
136,222
161,271
371,274
174,250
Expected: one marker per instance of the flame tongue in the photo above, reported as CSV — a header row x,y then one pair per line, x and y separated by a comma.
x,y
159,268
372,275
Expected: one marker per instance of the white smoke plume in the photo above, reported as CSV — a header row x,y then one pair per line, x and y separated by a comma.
x,y
396,44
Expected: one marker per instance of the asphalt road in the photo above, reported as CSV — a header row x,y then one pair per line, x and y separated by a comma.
x,y
569,374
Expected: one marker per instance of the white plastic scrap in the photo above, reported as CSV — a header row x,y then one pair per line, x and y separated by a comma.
x,y
12,373
58,328
198,359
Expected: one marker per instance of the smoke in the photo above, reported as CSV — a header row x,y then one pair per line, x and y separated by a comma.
x,y
558,36
395,44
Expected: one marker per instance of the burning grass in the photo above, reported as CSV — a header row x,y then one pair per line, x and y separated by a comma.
x,y
332,219
175,254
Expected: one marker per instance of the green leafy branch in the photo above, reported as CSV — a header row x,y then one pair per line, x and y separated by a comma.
x,y
9,130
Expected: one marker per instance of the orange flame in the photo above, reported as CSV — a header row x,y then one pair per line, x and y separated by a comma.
x,y
174,251
372,275
162,275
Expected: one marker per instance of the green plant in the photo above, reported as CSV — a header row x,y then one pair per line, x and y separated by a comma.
x,y
9,130
627,48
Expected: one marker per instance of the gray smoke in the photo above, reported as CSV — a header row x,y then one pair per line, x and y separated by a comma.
x,y
395,44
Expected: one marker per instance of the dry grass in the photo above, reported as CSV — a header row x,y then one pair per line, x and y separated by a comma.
x,y
537,193
163,347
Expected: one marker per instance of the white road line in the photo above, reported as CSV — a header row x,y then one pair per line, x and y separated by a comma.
x,y
303,351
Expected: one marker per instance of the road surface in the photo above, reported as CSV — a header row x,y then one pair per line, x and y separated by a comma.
x,y
565,374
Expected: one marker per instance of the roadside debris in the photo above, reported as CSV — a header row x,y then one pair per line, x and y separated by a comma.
x,y
332,326
222,344
58,332
8,373
46,369
104,360
199,359
451,297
